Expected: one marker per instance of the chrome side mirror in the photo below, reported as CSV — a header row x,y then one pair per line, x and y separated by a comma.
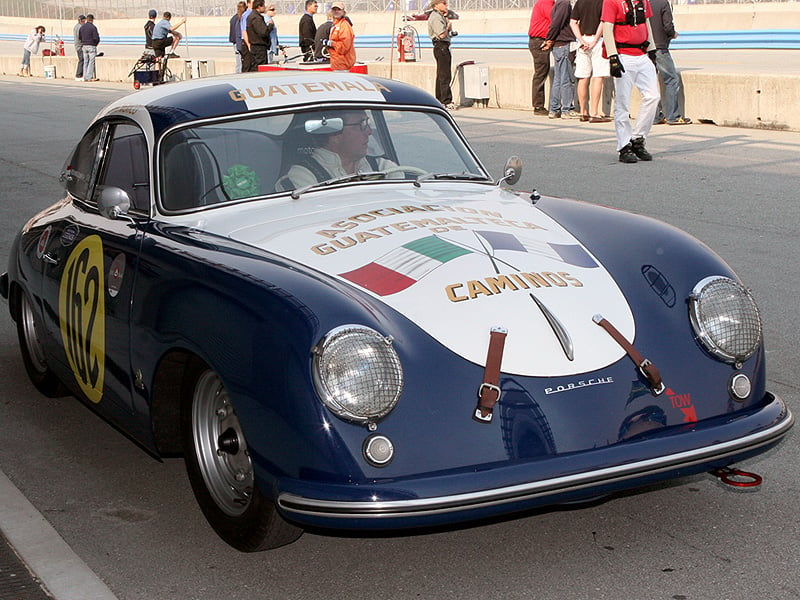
x,y
113,202
512,171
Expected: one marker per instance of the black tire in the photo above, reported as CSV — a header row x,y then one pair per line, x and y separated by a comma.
x,y
33,355
220,470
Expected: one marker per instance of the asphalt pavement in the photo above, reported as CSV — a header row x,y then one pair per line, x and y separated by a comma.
x,y
44,563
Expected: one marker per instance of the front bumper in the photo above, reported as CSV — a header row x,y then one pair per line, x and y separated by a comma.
x,y
414,502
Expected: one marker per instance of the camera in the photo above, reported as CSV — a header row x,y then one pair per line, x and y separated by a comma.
x,y
453,33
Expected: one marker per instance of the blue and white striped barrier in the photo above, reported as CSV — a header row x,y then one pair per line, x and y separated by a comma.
x,y
779,39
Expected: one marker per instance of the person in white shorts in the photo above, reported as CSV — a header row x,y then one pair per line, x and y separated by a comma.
x,y
591,68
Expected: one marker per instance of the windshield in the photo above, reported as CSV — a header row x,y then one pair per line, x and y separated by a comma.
x,y
252,157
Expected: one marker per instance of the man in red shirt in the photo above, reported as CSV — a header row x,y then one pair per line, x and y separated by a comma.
x,y
628,39
537,35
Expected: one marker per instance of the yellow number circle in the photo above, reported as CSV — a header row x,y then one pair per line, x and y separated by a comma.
x,y
81,310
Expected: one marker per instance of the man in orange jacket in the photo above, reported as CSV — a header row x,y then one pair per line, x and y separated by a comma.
x,y
340,42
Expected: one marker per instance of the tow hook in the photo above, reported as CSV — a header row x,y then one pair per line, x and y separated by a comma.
x,y
737,477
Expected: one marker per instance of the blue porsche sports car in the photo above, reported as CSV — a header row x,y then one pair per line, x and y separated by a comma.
x,y
308,285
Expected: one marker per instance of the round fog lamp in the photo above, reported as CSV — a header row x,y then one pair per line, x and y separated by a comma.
x,y
378,450
740,387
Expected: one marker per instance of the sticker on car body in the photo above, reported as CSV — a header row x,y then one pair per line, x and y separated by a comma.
x,y
81,313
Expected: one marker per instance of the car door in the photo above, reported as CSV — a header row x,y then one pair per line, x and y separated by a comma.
x,y
90,264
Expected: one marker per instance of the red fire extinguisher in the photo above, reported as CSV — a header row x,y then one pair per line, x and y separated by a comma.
x,y
405,45
60,47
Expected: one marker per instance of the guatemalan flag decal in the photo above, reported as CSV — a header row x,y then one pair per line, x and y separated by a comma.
x,y
402,267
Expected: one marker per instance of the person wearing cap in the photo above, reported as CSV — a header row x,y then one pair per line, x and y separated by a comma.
x,y
90,38
341,47
76,40
440,31
148,29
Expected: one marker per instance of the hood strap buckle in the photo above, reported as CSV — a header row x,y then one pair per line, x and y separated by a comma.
x,y
646,368
489,391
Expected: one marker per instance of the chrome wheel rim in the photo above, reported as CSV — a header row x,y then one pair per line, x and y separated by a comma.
x,y
32,343
220,446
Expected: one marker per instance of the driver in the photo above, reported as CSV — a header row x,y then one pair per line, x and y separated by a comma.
x,y
337,155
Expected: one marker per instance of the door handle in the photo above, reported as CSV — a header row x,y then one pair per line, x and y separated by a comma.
x,y
50,259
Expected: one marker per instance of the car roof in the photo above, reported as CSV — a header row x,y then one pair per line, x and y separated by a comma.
x,y
195,99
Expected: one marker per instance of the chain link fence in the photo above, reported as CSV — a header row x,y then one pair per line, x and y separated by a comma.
x,y
124,9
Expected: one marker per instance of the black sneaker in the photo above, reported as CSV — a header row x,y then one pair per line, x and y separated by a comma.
x,y
637,145
173,55
540,110
626,155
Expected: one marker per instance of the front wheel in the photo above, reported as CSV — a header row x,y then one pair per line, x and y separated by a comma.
x,y
220,470
33,355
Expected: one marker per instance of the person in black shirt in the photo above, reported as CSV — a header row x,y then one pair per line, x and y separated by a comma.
x,y
308,31
258,34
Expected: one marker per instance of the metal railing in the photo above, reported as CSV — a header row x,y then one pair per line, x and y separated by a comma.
x,y
125,9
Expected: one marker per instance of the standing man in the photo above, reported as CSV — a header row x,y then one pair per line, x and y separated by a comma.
x,y
258,34
537,35
440,30
321,39
591,68
308,31
628,38
235,34
664,32
247,56
341,47
90,38
559,39
76,40
165,35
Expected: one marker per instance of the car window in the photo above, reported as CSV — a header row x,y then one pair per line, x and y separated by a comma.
x,y
81,165
126,165
251,157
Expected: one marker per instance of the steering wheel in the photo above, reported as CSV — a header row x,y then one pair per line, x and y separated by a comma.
x,y
405,169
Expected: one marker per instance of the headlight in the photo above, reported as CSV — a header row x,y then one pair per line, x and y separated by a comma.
x,y
357,373
725,318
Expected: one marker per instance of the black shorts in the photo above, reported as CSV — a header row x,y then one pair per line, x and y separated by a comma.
x,y
159,46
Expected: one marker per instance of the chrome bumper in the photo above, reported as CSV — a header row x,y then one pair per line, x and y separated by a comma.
x,y
293,504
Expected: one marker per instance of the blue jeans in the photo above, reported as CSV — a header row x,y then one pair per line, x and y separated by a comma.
x,y
26,58
562,93
89,55
670,81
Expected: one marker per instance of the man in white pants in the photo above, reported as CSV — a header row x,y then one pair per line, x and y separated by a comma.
x,y
628,38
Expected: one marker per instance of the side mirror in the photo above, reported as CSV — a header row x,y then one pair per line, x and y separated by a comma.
x,y
324,126
114,202
512,171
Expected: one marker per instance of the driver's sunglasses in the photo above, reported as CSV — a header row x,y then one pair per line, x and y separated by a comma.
x,y
362,124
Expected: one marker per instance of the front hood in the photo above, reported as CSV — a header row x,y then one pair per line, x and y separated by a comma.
x,y
459,260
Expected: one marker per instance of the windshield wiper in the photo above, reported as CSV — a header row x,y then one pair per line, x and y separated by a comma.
x,y
365,176
450,177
